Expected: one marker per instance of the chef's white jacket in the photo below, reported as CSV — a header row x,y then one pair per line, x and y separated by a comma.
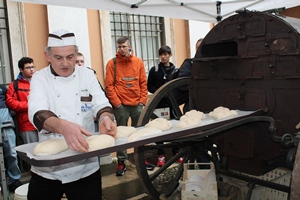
x,y
62,96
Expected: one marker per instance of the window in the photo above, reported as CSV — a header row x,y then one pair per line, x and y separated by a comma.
x,y
144,32
5,67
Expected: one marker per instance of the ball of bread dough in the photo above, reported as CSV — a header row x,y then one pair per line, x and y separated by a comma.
x,y
102,141
222,112
161,123
187,122
190,118
143,132
50,147
195,114
125,131
185,118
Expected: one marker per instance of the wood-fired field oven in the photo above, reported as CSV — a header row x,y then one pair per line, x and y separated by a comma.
x,y
251,61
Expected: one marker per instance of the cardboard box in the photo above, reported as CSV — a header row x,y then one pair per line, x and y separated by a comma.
x,y
162,113
199,184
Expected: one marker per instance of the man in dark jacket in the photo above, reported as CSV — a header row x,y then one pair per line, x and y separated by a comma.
x,y
9,143
161,74
158,76
185,71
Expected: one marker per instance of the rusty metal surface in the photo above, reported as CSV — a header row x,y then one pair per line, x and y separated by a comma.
x,y
250,61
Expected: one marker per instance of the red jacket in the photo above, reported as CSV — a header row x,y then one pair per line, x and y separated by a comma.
x,y
18,102
130,88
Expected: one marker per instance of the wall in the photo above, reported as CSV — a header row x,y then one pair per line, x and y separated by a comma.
x,y
17,39
36,33
95,43
74,20
197,30
181,41
92,30
85,24
88,25
292,12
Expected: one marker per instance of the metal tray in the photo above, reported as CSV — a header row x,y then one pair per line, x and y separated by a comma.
x,y
208,126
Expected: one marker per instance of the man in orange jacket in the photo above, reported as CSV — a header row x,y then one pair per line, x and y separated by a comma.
x,y
126,88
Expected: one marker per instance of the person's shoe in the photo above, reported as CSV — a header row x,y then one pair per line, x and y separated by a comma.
x,y
121,168
180,160
12,187
149,166
160,160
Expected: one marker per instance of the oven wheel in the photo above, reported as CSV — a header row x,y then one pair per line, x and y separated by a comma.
x,y
167,90
163,181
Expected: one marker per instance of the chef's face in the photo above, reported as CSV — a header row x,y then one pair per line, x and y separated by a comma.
x,y
62,59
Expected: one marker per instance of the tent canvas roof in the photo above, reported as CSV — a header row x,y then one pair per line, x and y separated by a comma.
x,y
201,10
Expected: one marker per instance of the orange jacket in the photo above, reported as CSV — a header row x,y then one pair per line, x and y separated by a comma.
x,y
130,88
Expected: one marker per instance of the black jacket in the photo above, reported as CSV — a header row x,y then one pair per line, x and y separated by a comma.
x,y
157,78
185,71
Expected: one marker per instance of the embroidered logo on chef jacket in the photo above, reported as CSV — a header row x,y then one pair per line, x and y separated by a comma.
x,y
86,107
85,93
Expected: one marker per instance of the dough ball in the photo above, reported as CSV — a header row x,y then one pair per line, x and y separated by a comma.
x,y
125,131
222,112
190,118
185,118
187,122
143,132
50,147
102,141
161,123
195,114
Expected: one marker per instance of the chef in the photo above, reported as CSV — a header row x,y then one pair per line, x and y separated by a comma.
x,y
63,102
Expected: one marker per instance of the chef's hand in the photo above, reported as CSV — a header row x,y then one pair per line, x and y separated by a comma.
x,y
73,134
107,126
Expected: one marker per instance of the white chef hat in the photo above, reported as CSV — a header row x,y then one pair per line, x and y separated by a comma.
x,y
61,38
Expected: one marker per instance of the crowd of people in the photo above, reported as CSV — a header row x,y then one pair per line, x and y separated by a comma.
x,y
64,100
14,99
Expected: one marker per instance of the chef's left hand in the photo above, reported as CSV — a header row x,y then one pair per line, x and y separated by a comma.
x,y
107,126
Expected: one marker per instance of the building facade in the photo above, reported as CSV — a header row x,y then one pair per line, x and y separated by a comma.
x,y
25,28
28,26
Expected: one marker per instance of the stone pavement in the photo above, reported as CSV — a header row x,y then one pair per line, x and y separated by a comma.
x,y
128,186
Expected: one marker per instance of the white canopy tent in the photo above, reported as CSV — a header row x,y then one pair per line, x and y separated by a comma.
x,y
201,10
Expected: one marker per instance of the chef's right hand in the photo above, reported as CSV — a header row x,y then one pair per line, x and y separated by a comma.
x,y
73,135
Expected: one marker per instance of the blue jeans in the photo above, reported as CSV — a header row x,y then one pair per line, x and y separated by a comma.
x,y
10,155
